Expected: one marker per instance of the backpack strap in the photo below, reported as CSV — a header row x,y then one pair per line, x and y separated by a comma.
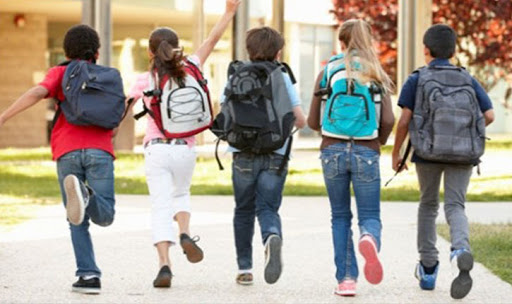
x,y
288,70
402,163
57,101
217,154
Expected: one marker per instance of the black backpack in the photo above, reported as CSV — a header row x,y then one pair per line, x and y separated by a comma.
x,y
257,114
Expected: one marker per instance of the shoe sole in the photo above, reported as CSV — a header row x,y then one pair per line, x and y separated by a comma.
x,y
163,281
192,251
345,293
462,284
273,266
373,268
86,290
74,201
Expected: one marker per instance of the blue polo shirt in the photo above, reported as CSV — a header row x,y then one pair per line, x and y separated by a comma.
x,y
408,96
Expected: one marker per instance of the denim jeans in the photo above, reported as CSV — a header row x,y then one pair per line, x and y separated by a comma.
x,y
258,189
342,164
96,169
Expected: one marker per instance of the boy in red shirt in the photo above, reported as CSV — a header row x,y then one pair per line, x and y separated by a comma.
x,y
84,156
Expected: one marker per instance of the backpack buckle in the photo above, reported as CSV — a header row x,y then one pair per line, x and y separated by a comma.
x,y
151,93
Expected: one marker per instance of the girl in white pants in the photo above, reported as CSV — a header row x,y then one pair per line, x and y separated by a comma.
x,y
170,162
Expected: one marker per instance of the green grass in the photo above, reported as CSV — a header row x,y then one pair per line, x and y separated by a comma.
x,y
29,175
491,245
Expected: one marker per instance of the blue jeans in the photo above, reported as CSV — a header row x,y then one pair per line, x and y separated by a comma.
x,y
342,164
258,189
95,168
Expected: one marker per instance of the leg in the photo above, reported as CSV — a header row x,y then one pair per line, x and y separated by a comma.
x,y
71,163
456,181
335,166
99,174
269,191
429,178
366,182
244,187
269,194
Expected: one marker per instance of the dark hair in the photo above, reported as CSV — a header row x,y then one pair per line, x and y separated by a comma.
x,y
263,43
81,42
441,40
168,57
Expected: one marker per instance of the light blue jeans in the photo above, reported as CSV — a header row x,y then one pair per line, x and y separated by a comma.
x,y
258,188
96,169
342,164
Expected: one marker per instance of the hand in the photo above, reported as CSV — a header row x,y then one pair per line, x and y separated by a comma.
x,y
232,5
396,160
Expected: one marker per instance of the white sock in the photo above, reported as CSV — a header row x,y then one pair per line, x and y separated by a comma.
x,y
88,277
242,271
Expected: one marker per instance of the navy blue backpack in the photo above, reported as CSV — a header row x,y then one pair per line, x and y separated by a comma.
x,y
94,95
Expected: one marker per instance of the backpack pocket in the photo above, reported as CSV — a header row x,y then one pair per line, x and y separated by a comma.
x,y
452,132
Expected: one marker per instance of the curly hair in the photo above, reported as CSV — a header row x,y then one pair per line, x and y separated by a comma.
x,y
81,42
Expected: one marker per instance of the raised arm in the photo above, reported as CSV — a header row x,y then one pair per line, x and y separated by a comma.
x,y
207,47
28,99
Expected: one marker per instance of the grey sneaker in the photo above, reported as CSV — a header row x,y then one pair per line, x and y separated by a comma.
x,y
462,263
77,198
273,264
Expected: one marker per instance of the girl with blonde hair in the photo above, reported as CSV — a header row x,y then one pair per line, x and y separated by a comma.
x,y
350,158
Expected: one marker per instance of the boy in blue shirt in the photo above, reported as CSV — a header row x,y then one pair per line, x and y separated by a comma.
x,y
440,43
257,181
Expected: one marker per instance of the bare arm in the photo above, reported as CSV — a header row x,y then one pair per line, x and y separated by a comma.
x,y
387,120
316,105
489,116
207,47
28,99
401,133
300,119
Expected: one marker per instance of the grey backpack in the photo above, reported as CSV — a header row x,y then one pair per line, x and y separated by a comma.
x,y
447,125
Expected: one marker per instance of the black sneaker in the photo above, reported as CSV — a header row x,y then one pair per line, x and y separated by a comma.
x,y
164,277
273,264
190,248
90,286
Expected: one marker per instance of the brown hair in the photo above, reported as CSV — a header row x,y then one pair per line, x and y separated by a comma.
x,y
168,56
263,43
356,35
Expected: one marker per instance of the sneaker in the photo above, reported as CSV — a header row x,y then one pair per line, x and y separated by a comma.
x,y
89,286
427,281
244,278
164,277
77,198
273,264
346,288
190,249
373,268
462,263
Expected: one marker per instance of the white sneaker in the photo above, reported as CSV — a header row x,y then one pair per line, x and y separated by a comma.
x,y
75,203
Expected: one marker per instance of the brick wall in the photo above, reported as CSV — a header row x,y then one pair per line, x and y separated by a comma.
x,y
22,63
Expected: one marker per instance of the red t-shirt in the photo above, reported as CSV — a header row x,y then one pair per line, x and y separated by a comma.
x,y
67,137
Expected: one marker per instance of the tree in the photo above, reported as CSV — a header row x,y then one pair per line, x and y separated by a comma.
x,y
484,29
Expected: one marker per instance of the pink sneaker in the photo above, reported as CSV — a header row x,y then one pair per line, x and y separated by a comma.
x,y
346,288
372,269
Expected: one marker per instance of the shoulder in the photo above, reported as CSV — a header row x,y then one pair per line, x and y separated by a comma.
x,y
195,60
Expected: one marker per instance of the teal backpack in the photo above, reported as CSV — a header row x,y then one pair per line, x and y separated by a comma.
x,y
352,109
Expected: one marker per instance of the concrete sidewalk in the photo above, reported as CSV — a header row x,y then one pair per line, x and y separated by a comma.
x,y
37,264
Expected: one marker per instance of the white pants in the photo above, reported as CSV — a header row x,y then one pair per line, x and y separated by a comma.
x,y
169,170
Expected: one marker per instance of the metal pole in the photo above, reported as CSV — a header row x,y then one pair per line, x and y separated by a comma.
x,y
240,27
97,14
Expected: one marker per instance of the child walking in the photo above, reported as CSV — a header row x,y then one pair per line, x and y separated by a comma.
x,y
259,168
170,162
350,151
447,144
84,156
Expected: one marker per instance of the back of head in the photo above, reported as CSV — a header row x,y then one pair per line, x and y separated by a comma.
x,y
441,40
168,56
356,35
81,42
263,43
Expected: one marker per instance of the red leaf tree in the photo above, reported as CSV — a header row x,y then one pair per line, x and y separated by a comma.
x,y
484,29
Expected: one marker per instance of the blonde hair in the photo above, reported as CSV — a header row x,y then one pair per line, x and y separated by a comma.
x,y
356,34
